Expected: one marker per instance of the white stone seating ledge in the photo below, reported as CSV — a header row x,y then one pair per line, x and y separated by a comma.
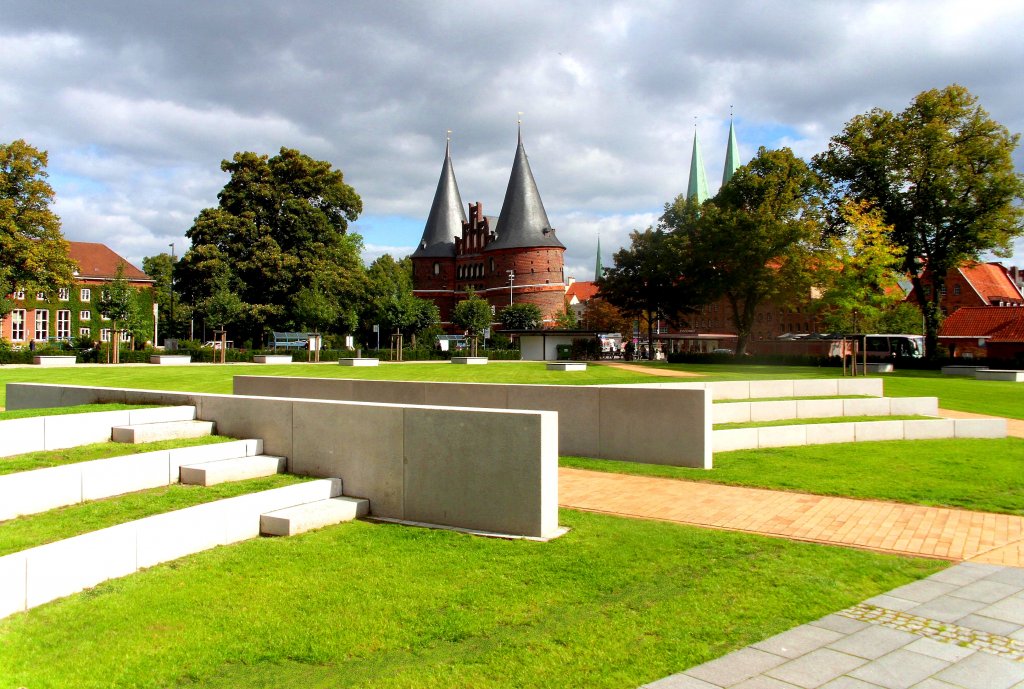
x,y
53,360
39,575
313,515
1010,375
777,410
38,433
39,490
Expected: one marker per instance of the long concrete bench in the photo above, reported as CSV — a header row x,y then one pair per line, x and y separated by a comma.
x,y
358,361
54,360
1010,375
776,410
39,575
164,430
855,432
567,366
961,370
312,515
473,360
31,492
234,469
62,431
755,389
272,358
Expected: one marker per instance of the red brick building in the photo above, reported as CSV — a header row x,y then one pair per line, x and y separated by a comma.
x,y
72,311
515,257
976,284
985,331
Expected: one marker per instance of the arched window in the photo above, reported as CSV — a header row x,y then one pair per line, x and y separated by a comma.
x,y
437,268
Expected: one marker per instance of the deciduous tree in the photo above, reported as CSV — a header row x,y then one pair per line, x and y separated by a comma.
x,y
941,174
521,316
474,315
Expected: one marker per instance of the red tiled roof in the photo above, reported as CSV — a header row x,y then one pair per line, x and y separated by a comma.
x,y
99,261
584,291
991,281
997,323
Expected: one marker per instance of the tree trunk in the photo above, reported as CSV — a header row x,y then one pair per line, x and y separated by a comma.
x,y
650,336
931,312
115,342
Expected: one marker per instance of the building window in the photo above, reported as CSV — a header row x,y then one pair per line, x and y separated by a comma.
x,y
40,296
18,325
437,269
42,324
126,336
20,295
104,318
84,332
85,294
63,325
85,315
942,291
956,290
105,335
64,293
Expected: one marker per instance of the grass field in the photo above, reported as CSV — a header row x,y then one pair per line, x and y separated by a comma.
x,y
61,411
974,474
84,453
615,603
810,421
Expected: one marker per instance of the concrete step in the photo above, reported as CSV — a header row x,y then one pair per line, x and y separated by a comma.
x,y
312,515
166,430
234,469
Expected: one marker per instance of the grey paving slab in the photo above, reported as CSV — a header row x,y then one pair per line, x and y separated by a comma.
x,y
762,682
1010,610
947,608
932,683
838,623
799,641
960,575
849,683
1008,575
983,671
989,624
680,681
986,591
923,591
735,667
900,669
892,602
817,667
943,651
873,642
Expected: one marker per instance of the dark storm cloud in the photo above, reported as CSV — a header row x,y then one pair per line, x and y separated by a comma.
x,y
139,102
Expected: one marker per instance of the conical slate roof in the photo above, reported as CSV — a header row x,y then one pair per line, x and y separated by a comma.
x,y
444,223
698,186
732,156
598,268
523,222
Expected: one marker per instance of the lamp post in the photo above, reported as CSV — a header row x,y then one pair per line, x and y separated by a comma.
x,y
511,281
170,325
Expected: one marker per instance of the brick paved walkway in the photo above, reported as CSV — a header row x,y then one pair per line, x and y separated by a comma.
x,y
950,534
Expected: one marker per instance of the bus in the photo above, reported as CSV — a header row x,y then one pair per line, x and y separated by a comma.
x,y
885,347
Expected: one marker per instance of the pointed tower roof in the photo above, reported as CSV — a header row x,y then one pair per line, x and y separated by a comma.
x,y
523,222
732,155
598,268
698,186
447,214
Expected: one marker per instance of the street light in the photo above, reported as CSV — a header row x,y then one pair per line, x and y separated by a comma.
x,y
511,281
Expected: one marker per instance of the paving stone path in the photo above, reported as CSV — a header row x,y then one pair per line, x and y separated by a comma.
x,y
962,628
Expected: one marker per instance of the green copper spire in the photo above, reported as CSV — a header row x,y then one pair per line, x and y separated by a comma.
x,y
598,268
698,187
732,156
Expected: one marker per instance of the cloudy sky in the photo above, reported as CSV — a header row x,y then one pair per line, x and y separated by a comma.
x,y
138,102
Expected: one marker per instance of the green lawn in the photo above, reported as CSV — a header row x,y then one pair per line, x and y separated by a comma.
x,y
64,522
85,453
974,474
61,411
615,603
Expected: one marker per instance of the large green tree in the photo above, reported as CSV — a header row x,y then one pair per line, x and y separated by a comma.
x,y
118,304
390,302
756,241
941,173
647,282
175,313
474,315
279,241
521,316
33,253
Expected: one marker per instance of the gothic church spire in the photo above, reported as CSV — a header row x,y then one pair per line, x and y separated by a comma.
x,y
447,214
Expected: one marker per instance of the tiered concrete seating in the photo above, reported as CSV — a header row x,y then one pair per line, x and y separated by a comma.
x,y
235,469
312,515
166,430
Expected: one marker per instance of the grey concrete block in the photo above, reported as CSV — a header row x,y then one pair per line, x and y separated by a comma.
x,y
31,492
468,395
816,387
12,584
655,426
235,469
859,386
818,409
579,413
734,439
567,366
456,475
961,370
353,361
390,392
867,431
1012,376
872,406
921,406
164,430
71,430
731,412
103,478
730,390
781,436
22,435
242,417
980,428
160,414
313,515
239,518
272,359
928,429
772,411
53,361
170,359
771,388
363,443
32,396
209,453
60,569
827,433
168,536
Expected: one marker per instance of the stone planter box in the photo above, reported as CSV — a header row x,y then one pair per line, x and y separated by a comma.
x,y
961,370
358,361
170,359
469,360
567,366
1011,375
272,358
53,360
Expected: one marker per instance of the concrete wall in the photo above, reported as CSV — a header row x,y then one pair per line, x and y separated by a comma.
x,y
743,412
630,423
485,469
753,389
39,575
